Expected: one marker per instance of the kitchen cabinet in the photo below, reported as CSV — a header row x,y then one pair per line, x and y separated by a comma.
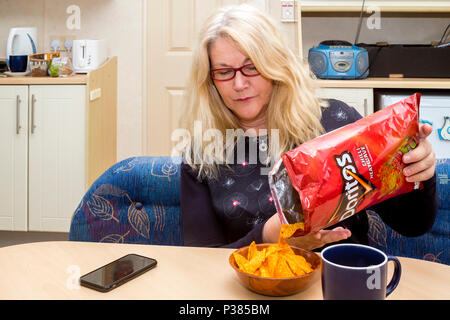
x,y
13,159
54,143
43,139
56,155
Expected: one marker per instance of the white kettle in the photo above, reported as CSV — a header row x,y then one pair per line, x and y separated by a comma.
x,y
21,41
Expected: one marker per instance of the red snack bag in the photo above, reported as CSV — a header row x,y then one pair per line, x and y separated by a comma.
x,y
332,177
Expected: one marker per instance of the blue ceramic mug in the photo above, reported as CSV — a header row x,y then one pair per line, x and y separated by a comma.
x,y
18,63
357,272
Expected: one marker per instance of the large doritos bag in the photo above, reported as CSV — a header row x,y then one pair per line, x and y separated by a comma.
x,y
332,177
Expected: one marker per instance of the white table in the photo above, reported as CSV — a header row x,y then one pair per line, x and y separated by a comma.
x,y
50,270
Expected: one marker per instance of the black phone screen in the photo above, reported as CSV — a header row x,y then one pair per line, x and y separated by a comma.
x,y
117,272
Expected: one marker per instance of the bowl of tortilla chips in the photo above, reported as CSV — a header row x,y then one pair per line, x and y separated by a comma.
x,y
276,269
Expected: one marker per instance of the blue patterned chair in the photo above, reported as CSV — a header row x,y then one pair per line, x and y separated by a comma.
x,y
137,201
434,245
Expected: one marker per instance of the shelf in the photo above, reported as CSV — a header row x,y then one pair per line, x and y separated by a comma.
x,y
385,6
75,79
403,83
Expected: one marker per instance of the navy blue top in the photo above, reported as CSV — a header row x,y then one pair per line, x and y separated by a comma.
x,y
231,211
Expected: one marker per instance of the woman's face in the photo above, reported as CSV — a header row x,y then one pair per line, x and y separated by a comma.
x,y
246,97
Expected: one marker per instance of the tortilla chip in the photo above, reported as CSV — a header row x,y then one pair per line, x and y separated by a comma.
x,y
264,270
284,247
251,251
241,261
282,270
256,261
272,261
287,230
272,249
275,261
298,264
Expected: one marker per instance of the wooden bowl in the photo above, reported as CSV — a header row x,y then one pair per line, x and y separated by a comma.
x,y
277,287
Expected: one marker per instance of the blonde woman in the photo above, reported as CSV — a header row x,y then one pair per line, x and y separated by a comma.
x,y
245,79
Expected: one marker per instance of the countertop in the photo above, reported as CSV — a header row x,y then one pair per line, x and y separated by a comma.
x,y
28,80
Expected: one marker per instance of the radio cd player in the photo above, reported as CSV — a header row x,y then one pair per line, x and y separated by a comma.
x,y
336,59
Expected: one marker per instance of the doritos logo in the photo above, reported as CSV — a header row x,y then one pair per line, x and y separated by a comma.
x,y
355,188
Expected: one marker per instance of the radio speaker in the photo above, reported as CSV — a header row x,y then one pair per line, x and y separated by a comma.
x,y
362,63
317,62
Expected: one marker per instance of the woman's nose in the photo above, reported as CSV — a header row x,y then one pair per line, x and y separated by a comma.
x,y
240,81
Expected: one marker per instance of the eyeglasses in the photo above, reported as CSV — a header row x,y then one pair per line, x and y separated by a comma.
x,y
226,74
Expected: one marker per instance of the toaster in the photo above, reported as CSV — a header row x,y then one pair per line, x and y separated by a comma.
x,y
88,55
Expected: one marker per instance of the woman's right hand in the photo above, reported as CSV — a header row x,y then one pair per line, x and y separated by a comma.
x,y
311,241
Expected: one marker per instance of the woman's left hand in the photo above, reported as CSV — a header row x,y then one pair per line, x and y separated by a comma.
x,y
421,161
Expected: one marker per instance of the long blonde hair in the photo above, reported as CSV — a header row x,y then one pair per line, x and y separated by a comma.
x,y
293,108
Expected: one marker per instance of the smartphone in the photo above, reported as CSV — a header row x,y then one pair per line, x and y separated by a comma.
x,y
117,272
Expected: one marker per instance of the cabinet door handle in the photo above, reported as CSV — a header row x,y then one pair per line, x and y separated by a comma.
x,y
365,108
18,127
33,101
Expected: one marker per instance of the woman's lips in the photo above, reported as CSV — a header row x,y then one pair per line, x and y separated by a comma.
x,y
244,99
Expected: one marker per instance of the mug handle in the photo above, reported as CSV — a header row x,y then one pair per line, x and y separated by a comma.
x,y
395,277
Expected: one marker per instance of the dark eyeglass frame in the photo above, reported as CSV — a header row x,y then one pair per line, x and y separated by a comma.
x,y
235,70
